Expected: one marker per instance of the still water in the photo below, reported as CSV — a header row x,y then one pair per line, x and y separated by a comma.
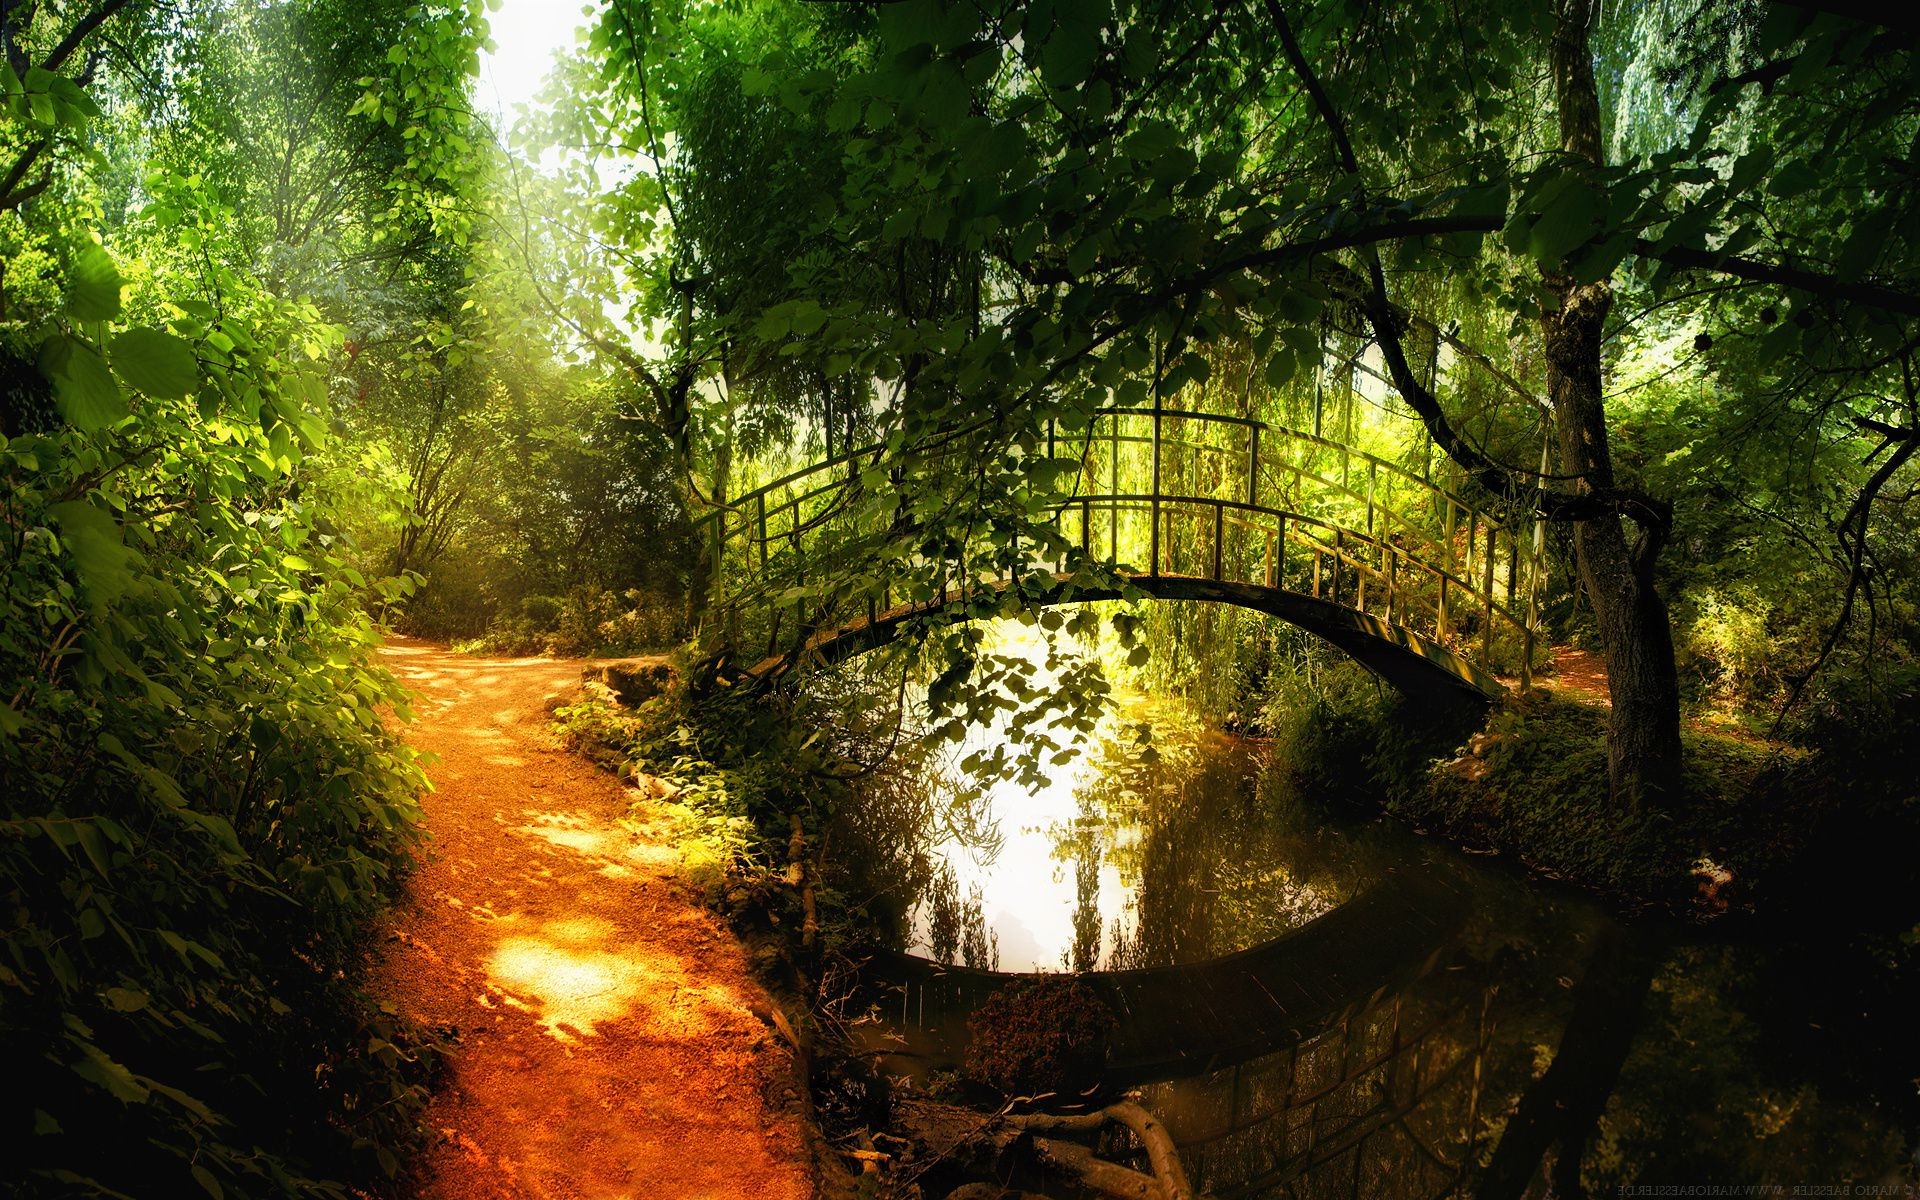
x,y
1728,1056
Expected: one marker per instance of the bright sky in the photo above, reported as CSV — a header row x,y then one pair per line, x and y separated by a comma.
x,y
526,35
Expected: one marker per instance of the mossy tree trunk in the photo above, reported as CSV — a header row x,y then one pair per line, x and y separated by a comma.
x,y
1643,738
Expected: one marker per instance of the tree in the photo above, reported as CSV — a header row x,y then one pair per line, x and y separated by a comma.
x,y
202,809
1132,183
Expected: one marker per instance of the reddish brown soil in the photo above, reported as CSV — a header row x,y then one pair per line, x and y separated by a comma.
x,y
1581,673
607,1038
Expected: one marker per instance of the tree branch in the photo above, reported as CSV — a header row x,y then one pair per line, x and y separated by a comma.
x,y
1872,295
80,32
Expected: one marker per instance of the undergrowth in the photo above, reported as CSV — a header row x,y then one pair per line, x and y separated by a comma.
x,y
204,807
1531,781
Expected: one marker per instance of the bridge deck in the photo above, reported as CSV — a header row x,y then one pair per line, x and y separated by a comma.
x,y
1185,1020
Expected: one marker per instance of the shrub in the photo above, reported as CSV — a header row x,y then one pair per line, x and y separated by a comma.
x,y
587,620
1044,1034
1729,649
203,806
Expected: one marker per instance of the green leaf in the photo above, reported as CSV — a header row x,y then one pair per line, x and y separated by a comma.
x,y
125,999
1864,245
808,318
1067,58
1791,180
155,362
83,388
93,285
205,1179
1082,257
1281,368
1570,220
93,539
96,1067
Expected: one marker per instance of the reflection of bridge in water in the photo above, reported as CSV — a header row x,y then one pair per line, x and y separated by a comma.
x,y
1344,1060
1386,1101
1408,576
1184,1020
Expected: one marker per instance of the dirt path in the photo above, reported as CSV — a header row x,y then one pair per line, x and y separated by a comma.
x,y
608,1045
1582,673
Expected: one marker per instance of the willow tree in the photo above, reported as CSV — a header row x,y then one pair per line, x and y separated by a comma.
x,y
1129,183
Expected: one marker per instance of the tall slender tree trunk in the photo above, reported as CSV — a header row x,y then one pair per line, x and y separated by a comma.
x,y
710,552
1643,737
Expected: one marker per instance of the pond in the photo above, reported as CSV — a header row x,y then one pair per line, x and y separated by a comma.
x,y
1722,1056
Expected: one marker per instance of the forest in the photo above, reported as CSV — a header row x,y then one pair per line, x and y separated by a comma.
x,y
1132,598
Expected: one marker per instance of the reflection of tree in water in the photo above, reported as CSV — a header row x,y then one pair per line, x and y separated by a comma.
x,y
1551,1052
1084,954
1705,1092
901,806
957,929
942,902
979,946
1214,846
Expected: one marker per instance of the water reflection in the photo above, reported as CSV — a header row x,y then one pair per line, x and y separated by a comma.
x,y
1548,1049
1160,843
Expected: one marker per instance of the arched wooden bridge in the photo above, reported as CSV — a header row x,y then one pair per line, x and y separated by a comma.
x,y
1403,573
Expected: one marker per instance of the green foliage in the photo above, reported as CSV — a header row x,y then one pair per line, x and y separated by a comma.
x,y
959,228
206,799
1708,1008
204,804
588,620
733,777
1044,1035
1533,783
545,490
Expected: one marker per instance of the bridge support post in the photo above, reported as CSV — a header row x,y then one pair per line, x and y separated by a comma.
x,y
1393,579
1486,587
1153,521
1253,466
1339,561
1219,535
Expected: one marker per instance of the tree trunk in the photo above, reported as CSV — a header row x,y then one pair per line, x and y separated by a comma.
x,y
1563,1107
710,554
1643,736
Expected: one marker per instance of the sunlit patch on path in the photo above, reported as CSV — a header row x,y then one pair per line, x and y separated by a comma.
x,y
607,1040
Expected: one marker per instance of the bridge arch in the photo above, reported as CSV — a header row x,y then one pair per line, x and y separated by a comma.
x,y
1415,665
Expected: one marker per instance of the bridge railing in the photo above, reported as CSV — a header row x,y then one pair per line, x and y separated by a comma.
x,y
1175,492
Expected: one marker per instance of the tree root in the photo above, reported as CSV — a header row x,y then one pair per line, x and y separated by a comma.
x,y
946,1131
